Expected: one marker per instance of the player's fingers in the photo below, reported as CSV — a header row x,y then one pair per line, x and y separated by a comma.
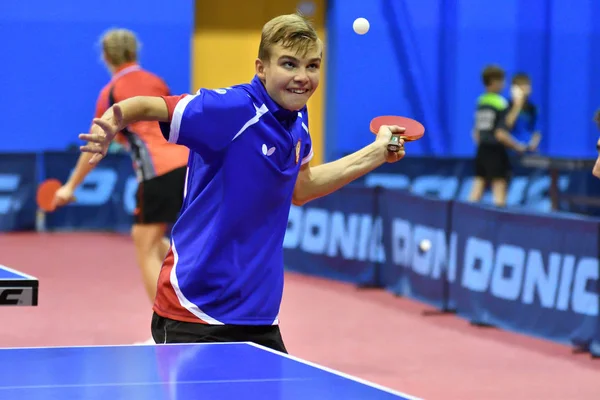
x,y
395,129
95,148
87,137
106,126
59,200
55,201
90,148
96,158
93,137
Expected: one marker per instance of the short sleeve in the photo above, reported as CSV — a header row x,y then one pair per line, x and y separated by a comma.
x,y
501,115
307,149
210,119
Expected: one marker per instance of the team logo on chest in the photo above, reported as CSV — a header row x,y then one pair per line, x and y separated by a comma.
x,y
298,151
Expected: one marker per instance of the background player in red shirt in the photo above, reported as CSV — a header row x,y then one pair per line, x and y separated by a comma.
x,y
159,166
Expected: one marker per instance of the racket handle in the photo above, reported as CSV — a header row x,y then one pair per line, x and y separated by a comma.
x,y
394,144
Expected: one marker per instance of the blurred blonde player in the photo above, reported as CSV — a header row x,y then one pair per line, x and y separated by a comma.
x,y
160,166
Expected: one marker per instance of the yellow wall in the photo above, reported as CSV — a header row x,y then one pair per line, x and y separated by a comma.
x,y
225,45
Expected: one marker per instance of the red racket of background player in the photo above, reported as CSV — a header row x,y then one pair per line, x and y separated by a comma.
x,y
45,194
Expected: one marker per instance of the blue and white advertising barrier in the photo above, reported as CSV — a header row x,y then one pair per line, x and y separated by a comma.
x,y
18,182
337,236
452,178
529,271
408,222
105,201
535,274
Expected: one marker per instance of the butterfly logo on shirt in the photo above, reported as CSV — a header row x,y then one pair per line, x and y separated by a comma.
x,y
267,152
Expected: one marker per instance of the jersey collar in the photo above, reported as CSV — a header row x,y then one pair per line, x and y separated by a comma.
x,y
286,117
125,69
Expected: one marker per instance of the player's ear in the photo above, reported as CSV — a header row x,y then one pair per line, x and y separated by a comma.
x,y
260,69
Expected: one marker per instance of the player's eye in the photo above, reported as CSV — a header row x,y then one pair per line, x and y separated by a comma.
x,y
288,64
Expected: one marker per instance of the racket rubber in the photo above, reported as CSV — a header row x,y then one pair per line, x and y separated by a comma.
x,y
45,194
414,129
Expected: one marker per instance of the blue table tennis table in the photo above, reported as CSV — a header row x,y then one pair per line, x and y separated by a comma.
x,y
175,372
17,288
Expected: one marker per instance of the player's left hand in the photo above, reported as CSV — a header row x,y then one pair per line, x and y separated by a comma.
x,y
102,133
383,138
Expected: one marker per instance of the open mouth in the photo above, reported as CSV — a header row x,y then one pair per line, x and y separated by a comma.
x,y
298,91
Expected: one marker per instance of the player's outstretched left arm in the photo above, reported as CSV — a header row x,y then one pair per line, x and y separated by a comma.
x,y
319,181
116,118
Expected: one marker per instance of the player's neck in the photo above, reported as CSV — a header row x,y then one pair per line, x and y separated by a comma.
x,y
116,69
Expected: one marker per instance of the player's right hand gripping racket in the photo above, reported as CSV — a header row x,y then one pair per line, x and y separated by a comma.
x,y
414,129
45,194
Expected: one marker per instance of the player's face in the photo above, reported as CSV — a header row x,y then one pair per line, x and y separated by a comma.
x,y
291,78
499,85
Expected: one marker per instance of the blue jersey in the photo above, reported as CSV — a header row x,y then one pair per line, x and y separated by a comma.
x,y
527,122
225,265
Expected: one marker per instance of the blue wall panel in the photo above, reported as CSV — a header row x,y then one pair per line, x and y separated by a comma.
x,y
423,58
51,69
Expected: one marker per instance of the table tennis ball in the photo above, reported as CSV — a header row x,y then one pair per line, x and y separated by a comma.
x,y
425,245
361,26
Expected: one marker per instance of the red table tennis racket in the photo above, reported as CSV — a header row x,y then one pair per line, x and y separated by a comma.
x,y
414,129
46,192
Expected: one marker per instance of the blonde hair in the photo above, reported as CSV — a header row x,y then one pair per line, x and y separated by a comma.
x,y
120,46
291,31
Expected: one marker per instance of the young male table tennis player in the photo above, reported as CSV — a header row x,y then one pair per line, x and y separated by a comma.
x,y
250,151
160,166
493,138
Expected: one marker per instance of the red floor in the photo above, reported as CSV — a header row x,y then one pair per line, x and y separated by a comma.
x,y
90,293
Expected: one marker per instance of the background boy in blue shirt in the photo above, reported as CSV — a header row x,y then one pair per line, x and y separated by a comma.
x,y
523,118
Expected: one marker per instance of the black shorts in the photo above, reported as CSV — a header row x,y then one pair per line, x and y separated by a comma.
x,y
492,162
159,199
165,330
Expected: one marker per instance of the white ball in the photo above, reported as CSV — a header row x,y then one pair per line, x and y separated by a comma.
x,y
361,26
425,245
